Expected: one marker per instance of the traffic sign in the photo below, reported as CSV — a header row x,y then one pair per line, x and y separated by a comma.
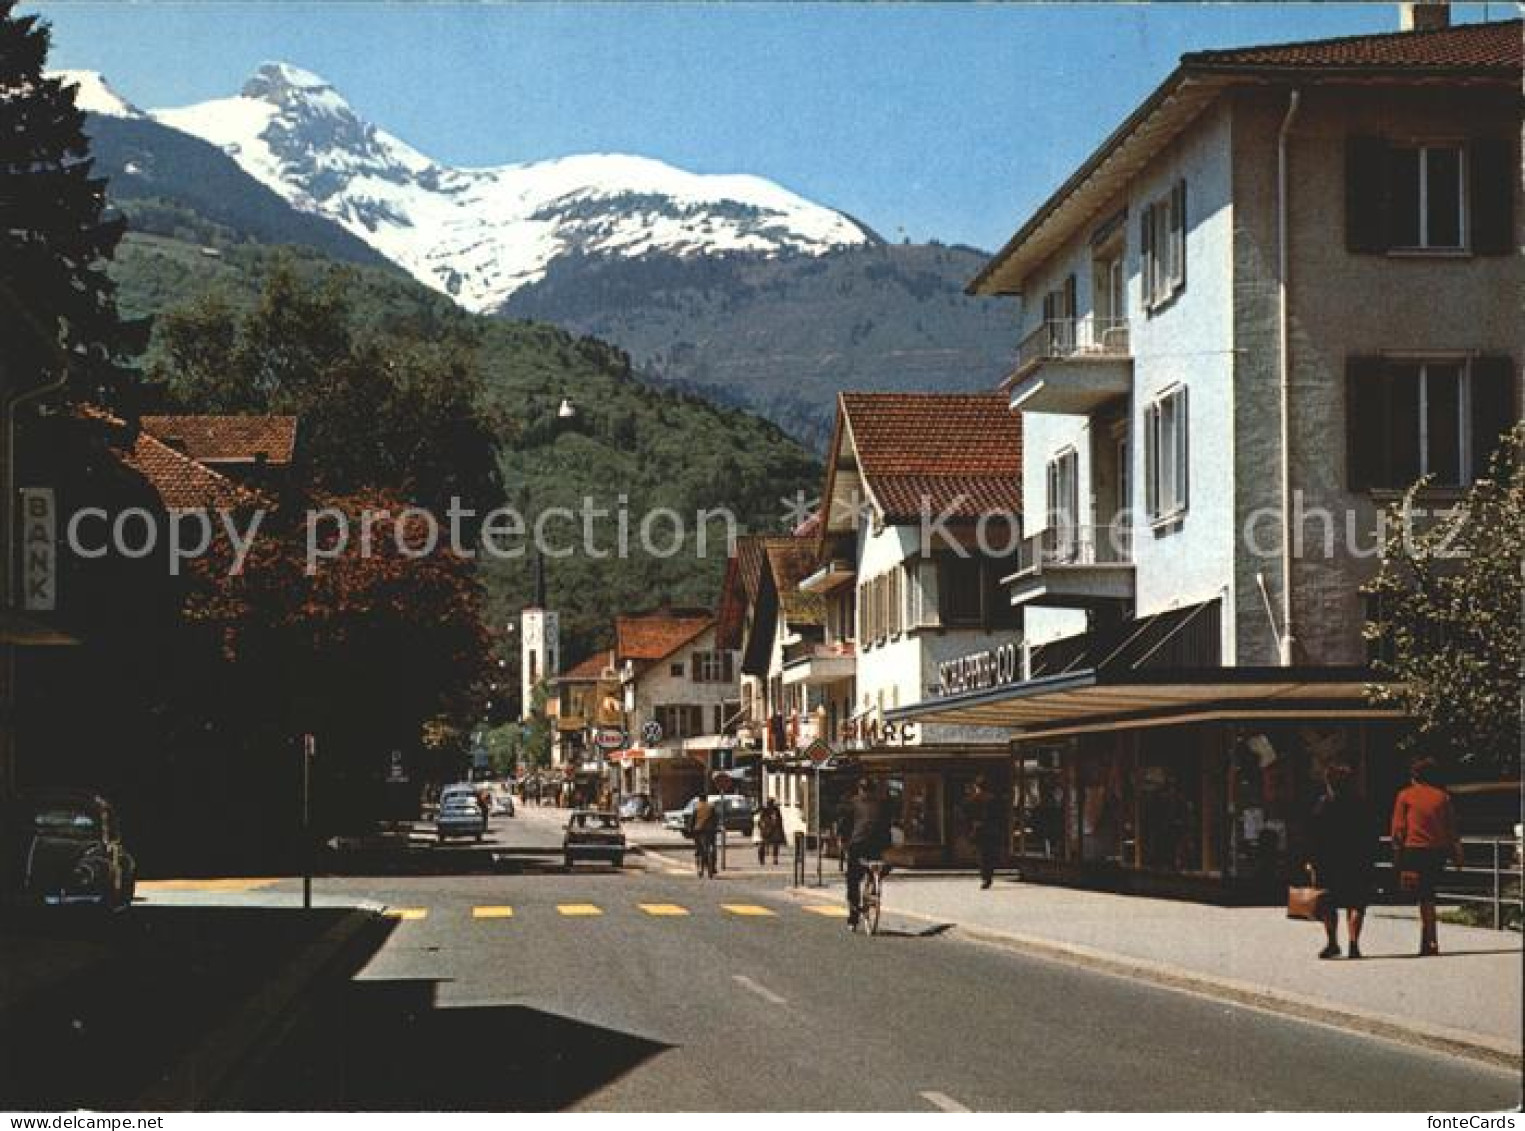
x,y
608,738
818,751
651,732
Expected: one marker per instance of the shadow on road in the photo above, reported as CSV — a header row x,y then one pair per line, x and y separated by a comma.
x,y
387,1046
159,981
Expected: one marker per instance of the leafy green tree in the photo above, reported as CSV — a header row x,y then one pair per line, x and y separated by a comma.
x,y
1448,635
58,307
400,409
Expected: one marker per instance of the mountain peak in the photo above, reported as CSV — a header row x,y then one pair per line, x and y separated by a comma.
x,y
93,94
285,85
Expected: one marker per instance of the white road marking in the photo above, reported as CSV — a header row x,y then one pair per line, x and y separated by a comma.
x,y
943,1102
761,991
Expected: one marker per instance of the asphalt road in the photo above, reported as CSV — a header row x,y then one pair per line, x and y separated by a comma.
x,y
649,989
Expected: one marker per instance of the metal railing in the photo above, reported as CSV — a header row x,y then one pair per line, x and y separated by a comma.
x,y
1491,863
1071,337
1066,545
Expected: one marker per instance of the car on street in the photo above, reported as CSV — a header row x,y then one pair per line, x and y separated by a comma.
x,y
736,813
502,801
638,807
593,834
460,814
68,852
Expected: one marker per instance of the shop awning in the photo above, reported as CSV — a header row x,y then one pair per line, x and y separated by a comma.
x,y
1117,699
29,633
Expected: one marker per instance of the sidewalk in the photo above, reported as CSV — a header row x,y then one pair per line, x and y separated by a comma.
x,y
1467,1000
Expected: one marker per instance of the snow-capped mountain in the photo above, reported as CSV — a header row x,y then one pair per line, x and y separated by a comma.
x,y
95,96
482,234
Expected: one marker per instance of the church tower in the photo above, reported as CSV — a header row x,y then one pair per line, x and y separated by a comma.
x,y
539,643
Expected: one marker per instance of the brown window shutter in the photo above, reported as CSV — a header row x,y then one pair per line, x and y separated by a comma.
x,y
1366,423
1491,180
1495,408
1146,255
1180,224
1365,194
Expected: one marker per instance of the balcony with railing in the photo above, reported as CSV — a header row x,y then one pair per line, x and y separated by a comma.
x,y
1071,566
815,664
1071,365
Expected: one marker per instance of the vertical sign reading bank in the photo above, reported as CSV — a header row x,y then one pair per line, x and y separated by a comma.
x,y
39,549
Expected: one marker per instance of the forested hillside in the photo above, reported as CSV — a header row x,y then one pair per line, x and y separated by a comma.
x,y
627,441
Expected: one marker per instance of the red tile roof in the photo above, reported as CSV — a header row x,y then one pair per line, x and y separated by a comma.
x,y
181,482
954,453
240,439
590,670
651,636
1478,46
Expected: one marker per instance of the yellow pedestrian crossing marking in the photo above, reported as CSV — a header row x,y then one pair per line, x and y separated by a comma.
x,y
408,914
745,909
661,909
830,910
575,909
492,912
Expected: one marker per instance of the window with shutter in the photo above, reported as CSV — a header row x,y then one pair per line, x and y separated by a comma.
x,y
1425,418
1162,260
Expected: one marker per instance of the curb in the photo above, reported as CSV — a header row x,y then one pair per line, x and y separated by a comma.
x,y
1435,1038
232,1049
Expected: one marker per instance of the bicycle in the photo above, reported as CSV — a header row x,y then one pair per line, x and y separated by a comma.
x,y
871,895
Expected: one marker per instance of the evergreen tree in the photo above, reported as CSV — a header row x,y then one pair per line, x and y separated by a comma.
x,y
58,313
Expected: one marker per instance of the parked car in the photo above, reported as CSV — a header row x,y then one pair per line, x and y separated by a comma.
x,y
736,812
460,814
638,807
502,801
593,835
69,852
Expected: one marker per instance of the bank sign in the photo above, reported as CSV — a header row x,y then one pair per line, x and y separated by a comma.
x,y
39,549
980,671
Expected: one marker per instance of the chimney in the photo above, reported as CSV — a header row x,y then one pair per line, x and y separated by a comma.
x,y
1425,15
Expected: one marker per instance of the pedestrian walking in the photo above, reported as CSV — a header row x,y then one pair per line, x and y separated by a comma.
x,y
770,831
704,826
1344,835
985,828
1424,838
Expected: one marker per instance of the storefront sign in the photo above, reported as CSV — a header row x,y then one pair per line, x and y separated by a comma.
x,y
607,738
39,549
873,731
980,671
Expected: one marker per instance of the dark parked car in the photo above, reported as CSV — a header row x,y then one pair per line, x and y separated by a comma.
x,y
593,835
67,852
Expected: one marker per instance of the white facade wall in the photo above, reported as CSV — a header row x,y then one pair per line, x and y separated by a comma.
x,y
1188,341
653,685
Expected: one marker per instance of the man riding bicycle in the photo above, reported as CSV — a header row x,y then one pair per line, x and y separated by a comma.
x,y
704,826
866,834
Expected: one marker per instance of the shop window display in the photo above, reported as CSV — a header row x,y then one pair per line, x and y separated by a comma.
x,y
1278,776
1038,831
921,808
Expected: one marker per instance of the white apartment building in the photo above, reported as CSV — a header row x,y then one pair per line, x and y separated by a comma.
x,y
1283,289
678,694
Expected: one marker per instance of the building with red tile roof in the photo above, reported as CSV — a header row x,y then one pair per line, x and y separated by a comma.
x,y
647,637
213,440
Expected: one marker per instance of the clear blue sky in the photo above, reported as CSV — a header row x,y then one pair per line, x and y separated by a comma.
x,y
939,121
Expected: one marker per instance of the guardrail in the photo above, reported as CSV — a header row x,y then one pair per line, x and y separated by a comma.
x,y
1069,337
1490,864
1076,545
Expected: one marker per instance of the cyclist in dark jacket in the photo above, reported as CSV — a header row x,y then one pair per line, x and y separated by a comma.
x,y
866,835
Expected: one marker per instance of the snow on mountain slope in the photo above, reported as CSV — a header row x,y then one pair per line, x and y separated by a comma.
x,y
481,234
95,95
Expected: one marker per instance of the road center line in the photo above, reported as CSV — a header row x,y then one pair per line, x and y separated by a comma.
x,y
942,1101
761,991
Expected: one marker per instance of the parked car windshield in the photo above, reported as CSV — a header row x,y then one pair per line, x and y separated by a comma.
x,y
595,821
65,821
